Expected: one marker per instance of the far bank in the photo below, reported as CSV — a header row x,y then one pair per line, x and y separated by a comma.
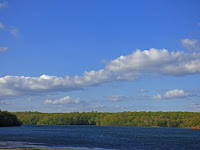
x,y
145,119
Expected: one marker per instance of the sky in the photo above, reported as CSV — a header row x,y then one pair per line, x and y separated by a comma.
x,y
102,55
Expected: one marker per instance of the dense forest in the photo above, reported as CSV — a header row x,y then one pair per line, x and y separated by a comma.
x,y
8,119
148,119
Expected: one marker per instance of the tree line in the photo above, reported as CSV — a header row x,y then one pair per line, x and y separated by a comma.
x,y
147,119
8,119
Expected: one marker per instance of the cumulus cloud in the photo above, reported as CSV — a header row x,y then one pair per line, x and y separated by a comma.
x,y
64,100
192,45
173,94
155,61
3,4
3,49
14,31
157,97
176,94
1,25
124,68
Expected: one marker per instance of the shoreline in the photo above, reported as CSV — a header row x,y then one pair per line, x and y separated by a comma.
x,y
69,148
187,127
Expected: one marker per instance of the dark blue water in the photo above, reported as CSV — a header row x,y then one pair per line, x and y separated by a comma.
x,y
104,137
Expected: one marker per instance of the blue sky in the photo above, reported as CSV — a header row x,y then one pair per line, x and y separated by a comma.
x,y
108,55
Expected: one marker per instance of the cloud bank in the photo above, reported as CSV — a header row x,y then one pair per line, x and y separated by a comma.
x,y
124,68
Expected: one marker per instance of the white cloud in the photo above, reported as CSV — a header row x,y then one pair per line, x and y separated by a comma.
x,y
117,98
1,25
142,91
96,106
3,49
155,61
176,94
3,4
14,31
120,98
192,45
119,107
48,101
173,94
157,97
124,68
64,100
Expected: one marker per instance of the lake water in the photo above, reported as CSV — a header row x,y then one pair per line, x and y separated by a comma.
x,y
99,137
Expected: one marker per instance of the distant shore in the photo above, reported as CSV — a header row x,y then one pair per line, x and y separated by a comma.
x,y
141,119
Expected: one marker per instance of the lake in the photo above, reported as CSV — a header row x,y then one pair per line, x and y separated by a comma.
x,y
99,137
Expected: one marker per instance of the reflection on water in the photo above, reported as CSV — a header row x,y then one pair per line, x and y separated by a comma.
x,y
99,137
19,144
